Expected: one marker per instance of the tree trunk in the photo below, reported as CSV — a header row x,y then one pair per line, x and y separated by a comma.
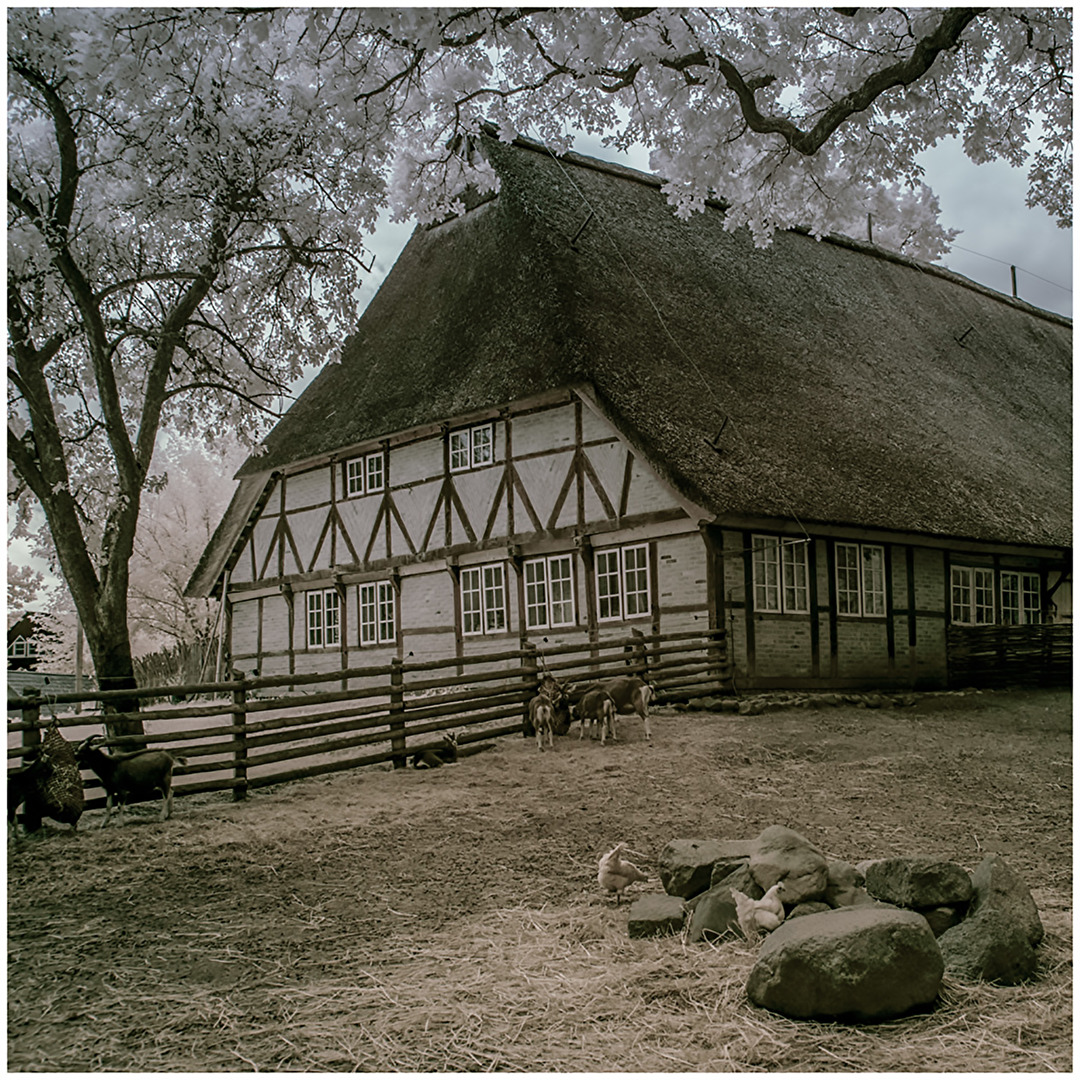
x,y
111,650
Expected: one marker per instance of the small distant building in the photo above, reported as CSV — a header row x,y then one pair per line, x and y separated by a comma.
x,y
22,644
568,414
25,638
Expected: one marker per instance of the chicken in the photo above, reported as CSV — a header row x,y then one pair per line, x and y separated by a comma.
x,y
757,915
616,873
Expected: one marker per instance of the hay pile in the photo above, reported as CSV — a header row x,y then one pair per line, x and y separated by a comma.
x,y
530,990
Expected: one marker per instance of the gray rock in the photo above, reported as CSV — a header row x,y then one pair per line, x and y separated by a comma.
x,y
713,916
918,882
781,854
808,907
740,878
685,866
851,963
843,884
724,868
655,914
990,946
997,887
944,917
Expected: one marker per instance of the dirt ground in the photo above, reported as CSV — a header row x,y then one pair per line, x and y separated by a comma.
x,y
451,920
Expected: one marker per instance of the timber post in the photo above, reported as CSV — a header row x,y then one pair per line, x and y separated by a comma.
x,y
530,677
397,713
31,737
240,745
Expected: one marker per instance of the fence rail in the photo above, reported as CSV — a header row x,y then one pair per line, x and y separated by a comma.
x,y
240,742
998,656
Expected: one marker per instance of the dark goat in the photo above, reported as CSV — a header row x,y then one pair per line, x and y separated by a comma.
x,y
24,782
629,693
597,707
437,756
130,777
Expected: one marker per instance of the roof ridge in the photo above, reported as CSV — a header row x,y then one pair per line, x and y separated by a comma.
x,y
626,172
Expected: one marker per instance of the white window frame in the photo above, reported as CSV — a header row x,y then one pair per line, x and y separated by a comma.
x,y
971,590
623,588
1024,591
322,618
483,599
549,592
376,613
365,475
18,647
472,447
860,585
781,575
374,473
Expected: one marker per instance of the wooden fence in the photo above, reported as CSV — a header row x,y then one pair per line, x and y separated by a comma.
x,y
242,739
999,656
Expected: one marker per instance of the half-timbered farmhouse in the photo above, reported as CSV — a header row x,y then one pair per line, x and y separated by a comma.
x,y
568,413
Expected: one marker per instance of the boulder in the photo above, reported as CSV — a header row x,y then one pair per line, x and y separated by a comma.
x,y
843,884
713,916
996,887
740,878
918,882
724,868
655,914
850,963
781,854
808,907
990,946
944,917
685,866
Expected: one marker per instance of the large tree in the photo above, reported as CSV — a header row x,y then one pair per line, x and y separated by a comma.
x,y
795,117
188,190
186,214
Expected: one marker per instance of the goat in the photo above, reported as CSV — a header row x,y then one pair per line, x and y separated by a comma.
x,y
542,718
24,782
596,706
436,757
629,693
560,704
130,777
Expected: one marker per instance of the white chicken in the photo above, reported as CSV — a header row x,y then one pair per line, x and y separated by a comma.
x,y
616,873
757,915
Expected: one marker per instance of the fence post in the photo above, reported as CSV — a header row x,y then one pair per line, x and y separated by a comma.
x,y
31,737
397,713
239,716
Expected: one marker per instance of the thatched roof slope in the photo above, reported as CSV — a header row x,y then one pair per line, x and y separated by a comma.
x,y
851,398
238,516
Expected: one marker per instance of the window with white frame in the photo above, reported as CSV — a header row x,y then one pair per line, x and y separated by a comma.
x,y
781,575
376,607
972,595
365,475
549,592
483,599
323,618
860,579
622,582
1021,598
472,447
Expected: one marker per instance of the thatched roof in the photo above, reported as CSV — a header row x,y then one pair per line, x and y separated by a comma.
x,y
863,388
